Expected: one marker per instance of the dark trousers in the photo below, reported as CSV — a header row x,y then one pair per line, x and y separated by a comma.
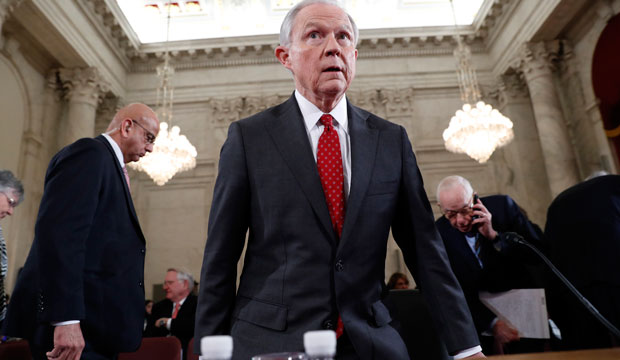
x,y
345,349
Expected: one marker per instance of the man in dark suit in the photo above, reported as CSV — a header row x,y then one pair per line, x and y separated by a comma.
x,y
319,194
583,238
175,314
482,257
81,291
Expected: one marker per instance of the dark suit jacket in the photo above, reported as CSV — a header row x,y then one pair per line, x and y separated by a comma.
x,y
298,275
502,270
182,326
583,239
87,259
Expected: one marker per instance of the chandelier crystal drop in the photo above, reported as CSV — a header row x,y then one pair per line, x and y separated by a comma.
x,y
172,152
478,129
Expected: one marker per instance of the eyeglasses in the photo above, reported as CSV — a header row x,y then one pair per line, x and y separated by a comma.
x,y
12,202
464,211
150,138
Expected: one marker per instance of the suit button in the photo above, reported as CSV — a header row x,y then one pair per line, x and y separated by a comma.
x,y
142,251
140,284
328,325
339,265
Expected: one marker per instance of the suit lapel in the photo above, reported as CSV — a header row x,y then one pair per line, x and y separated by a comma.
x,y
121,176
286,130
364,139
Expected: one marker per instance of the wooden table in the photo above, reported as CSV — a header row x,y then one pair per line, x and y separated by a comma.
x,y
598,354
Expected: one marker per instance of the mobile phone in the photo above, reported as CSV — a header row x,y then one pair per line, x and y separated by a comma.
x,y
475,216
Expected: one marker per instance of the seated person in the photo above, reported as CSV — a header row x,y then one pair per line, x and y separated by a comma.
x,y
175,315
398,280
474,233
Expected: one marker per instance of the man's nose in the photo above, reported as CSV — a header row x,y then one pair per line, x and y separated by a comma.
x,y
332,47
149,147
10,211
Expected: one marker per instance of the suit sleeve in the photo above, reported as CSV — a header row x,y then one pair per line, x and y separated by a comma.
x,y
228,224
70,200
414,231
520,224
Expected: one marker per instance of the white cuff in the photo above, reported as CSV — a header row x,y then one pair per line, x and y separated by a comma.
x,y
168,323
467,352
68,322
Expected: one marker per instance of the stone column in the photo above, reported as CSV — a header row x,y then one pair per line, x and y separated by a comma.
x,y
6,7
536,62
83,87
526,178
37,147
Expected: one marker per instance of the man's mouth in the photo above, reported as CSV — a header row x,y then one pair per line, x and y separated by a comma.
x,y
333,69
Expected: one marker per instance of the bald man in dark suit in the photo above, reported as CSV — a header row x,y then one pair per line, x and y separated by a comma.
x,y
81,292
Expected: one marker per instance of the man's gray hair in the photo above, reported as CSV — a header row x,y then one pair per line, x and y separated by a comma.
x,y
183,274
289,20
451,182
10,185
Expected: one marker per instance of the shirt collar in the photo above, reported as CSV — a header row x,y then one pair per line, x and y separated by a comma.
x,y
312,113
116,148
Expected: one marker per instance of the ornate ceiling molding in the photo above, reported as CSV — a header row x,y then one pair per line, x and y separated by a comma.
x,y
252,50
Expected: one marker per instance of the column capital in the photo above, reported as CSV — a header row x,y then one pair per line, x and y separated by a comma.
x,y
507,89
6,7
84,85
536,57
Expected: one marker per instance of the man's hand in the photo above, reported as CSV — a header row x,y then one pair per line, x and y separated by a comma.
x,y
503,334
161,322
68,343
478,355
485,226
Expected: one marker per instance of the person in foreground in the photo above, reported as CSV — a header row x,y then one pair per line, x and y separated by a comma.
x,y
319,183
81,293
475,234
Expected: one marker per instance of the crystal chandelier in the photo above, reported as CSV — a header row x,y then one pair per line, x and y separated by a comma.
x,y
172,152
476,130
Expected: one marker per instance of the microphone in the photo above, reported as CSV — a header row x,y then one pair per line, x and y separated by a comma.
x,y
518,239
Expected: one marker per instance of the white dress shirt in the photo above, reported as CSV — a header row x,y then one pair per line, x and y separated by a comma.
x,y
314,129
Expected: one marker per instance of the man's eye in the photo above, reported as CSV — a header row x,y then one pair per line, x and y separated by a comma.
x,y
344,36
314,35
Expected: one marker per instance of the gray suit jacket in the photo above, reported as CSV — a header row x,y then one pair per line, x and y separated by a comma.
x,y
298,275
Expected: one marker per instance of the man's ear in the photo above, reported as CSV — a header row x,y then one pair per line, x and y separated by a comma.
x,y
283,56
126,124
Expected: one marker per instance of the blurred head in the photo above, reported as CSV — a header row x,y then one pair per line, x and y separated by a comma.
x,y
11,193
178,284
455,199
398,281
317,44
134,128
148,306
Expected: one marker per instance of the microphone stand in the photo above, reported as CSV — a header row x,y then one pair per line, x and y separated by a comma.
x,y
518,239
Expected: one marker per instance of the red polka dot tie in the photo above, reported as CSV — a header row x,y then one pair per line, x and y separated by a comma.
x,y
329,162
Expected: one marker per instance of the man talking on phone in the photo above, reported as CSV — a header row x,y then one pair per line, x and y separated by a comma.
x,y
476,233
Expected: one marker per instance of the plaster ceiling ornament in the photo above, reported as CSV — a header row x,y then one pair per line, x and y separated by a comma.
x,y
172,152
477,129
